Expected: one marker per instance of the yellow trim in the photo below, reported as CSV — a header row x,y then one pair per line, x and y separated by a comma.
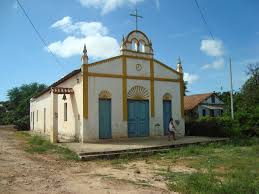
x,y
152,88
105,75
132,77
85,91
182,95
166,79
167,67
124,89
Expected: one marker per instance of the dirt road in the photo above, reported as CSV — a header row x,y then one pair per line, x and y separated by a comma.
x,y
22,172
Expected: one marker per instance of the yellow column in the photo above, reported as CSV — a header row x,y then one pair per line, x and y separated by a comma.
x,y
124,89
152,95
182,94
85,91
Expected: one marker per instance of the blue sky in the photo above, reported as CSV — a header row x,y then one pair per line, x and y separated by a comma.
x,y
174,26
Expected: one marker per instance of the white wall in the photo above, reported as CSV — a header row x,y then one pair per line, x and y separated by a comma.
x,y
38,105
71,128
114,86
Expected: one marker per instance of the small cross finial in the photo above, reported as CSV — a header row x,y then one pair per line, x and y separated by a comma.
x,y
136,16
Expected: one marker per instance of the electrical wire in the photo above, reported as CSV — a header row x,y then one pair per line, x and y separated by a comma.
x,y
38,33
204,19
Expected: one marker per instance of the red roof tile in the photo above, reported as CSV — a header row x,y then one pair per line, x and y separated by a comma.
x,y
190,102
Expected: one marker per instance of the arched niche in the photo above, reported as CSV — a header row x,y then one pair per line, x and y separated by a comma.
x,y
167,96
105,95
138,93
134,45
142,46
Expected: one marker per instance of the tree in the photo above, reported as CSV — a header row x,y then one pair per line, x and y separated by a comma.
x,y
17,107
185,88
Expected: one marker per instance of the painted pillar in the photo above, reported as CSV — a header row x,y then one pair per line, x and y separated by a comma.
x,y
54,118
84,69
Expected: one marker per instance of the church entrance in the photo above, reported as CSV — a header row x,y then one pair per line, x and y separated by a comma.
x,y
167,113
105,130
138,118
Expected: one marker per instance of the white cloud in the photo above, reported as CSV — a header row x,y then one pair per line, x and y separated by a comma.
x,y
93,34
218,64
107,6
80,28
212,47
190,78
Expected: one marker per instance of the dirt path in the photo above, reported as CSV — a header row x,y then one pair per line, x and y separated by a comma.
x,y
21,172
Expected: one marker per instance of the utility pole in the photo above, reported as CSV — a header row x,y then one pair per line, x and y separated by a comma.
x,y
231,90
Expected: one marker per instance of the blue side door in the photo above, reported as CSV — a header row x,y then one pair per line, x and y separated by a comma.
x,y
138,118
167,114
105,131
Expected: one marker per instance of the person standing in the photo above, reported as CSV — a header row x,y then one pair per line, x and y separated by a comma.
x,y
171,129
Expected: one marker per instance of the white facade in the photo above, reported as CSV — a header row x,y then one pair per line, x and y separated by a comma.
x,y
116,76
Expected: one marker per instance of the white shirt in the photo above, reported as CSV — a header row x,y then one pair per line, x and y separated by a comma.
x,y
171,127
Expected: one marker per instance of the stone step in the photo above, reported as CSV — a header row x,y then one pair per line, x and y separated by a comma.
x,y
140,151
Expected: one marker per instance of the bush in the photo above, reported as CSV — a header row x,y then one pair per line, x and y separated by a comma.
x,y
213,127
23,123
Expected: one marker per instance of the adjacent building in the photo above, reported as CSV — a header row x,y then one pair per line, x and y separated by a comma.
x,y
199,105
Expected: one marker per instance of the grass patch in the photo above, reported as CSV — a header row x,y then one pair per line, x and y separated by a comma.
x,y
37,144
230,167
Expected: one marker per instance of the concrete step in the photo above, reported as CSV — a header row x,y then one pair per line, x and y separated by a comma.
x,y
141,151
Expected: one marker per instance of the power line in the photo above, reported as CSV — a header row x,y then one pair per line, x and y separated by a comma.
x,y
203,19
38,33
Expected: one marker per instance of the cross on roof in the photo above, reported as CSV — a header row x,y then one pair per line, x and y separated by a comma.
x,y
137,16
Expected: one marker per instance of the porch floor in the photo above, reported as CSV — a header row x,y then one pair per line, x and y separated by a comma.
x,y
114,145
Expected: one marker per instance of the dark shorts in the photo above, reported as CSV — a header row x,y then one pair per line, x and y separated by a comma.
x,y
170,132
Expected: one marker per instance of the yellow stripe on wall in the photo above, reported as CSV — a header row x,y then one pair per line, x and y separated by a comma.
x,y
85,91
124,88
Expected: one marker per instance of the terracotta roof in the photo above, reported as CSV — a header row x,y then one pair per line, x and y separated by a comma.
x,y
71,74
190,102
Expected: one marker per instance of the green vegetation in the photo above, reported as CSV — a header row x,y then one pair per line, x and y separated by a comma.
x,y
231,167
246,109
16,110
37,144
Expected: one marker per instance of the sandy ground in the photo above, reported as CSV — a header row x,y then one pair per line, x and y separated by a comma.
x,y
21,172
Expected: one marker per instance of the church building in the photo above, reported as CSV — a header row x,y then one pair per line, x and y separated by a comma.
x,y
127,96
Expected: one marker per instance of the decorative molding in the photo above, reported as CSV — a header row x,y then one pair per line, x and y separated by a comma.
x,y
61,90
105,94
167,96
138,93
137,52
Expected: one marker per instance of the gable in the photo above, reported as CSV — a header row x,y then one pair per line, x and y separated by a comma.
x,y
108,66
163,71
209,100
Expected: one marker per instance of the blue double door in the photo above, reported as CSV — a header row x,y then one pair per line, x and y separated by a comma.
x,y
105,129
167,114
138,118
